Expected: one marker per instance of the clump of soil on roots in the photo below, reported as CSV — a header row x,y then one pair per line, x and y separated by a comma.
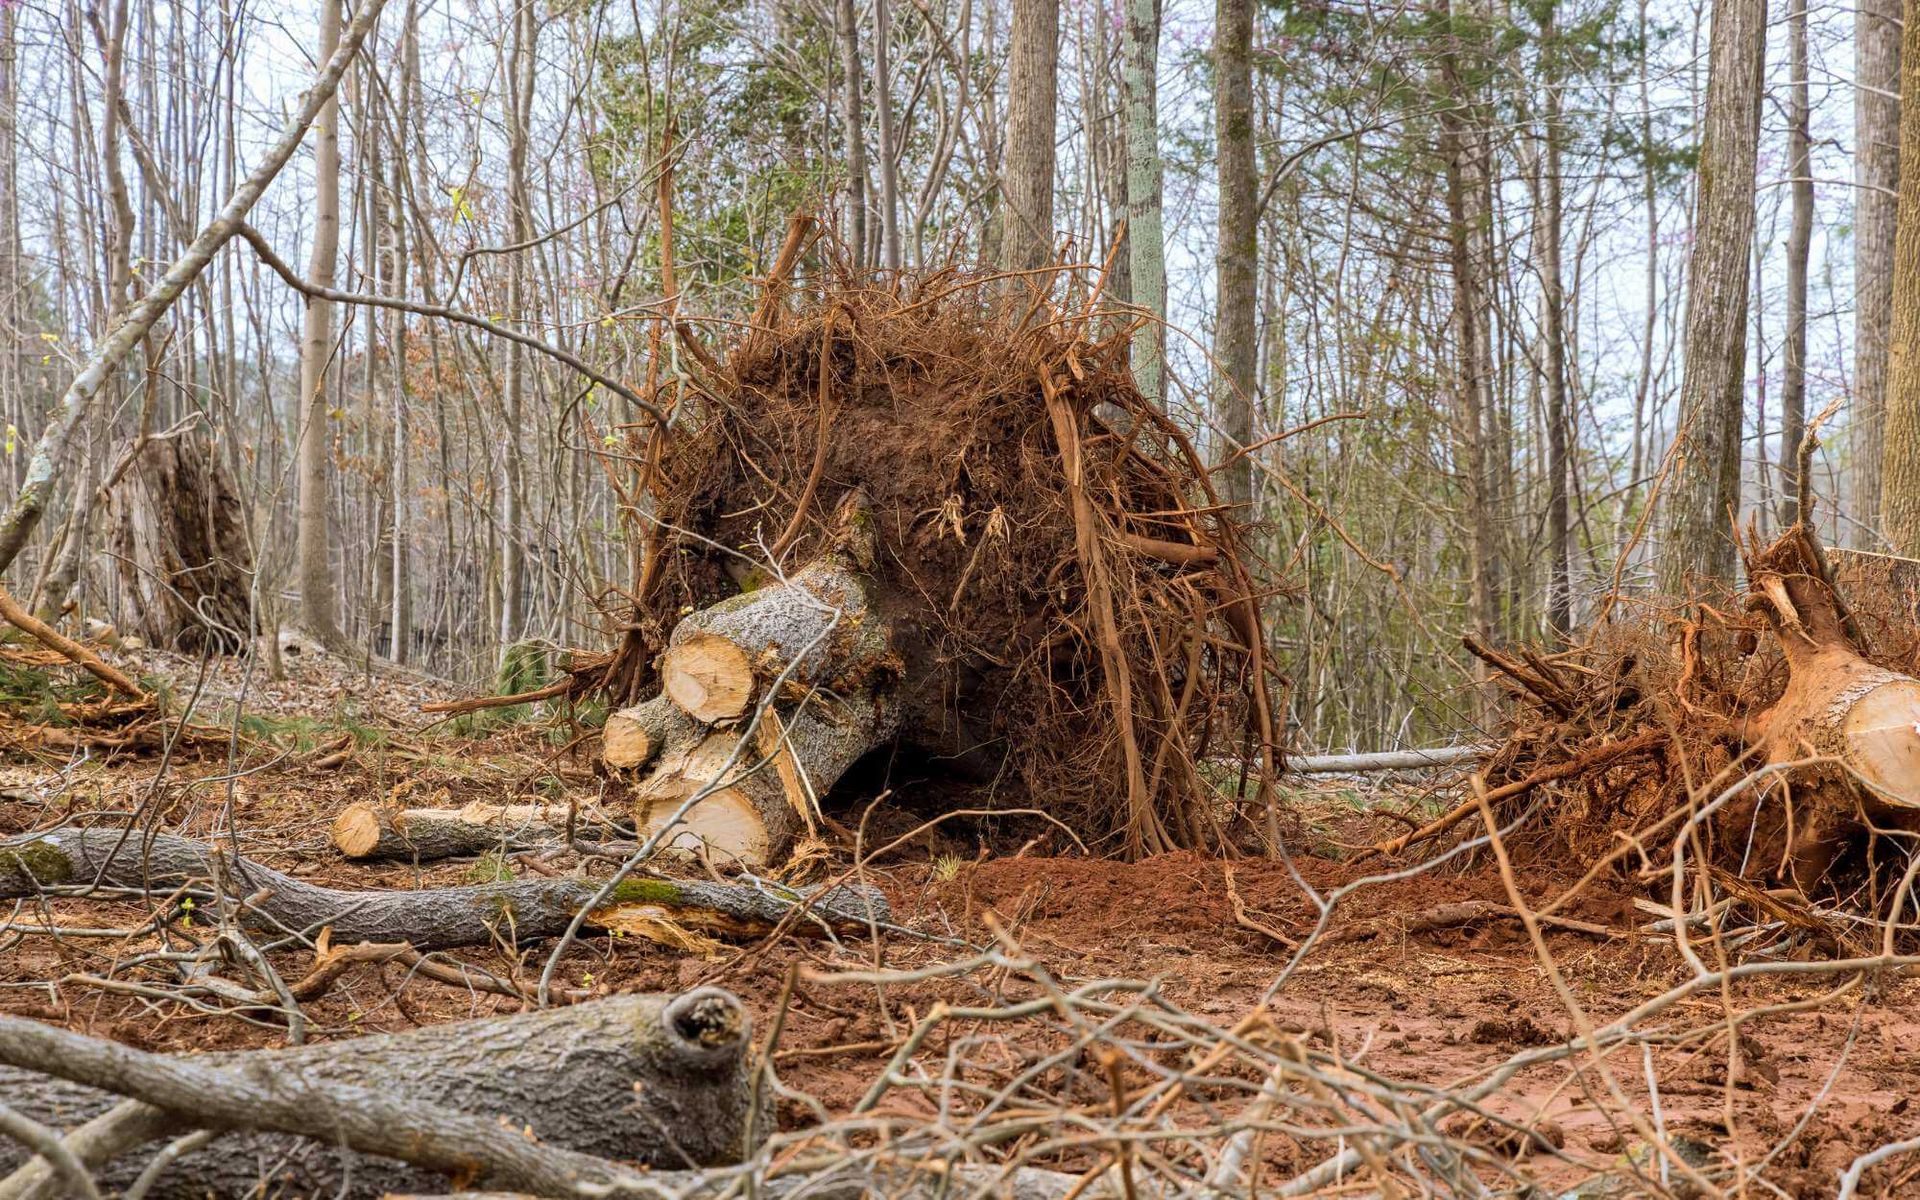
x,y
1747,726
1073,617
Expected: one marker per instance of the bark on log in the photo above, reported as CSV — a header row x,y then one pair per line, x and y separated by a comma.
x,y
818,628
634,737
374,831
652,1079
431,918
1862,719
816,636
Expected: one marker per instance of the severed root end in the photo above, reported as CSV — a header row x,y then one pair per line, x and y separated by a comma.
x,y
709,677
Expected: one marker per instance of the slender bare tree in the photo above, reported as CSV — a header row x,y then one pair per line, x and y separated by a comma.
x,y
1704,496
1876,159
1236,263
1027,162
1900,466
313,535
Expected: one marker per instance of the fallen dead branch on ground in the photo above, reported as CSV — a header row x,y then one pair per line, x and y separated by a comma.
x,y
429,919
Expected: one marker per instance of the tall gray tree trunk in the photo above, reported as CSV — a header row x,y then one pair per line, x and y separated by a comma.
x,y
1876,170
1146,241
1703,497
1027,162
1462,144
1554,302
853,127
1793,387
513,548
1236,264
1900,465
400,616
889,148
312,530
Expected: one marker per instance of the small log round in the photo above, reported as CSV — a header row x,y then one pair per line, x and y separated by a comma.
x,y
634,737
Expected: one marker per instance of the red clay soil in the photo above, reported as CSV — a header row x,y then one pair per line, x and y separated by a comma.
x,y
1435,1007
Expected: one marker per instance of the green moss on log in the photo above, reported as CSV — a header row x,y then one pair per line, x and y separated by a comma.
x,y
41,861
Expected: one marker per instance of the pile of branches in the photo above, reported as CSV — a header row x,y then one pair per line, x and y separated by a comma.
x,y
1773,734
1070,602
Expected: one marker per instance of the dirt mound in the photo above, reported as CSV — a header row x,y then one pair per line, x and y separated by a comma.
x,y
1067,595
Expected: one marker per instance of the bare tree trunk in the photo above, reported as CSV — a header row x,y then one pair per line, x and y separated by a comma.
x,y
1559,537
513,550
1236,265
1704,496
400,616
1027,162
1146,239
1900,467
853,128
889,147
1793,387
1876,124
1461,146
314,569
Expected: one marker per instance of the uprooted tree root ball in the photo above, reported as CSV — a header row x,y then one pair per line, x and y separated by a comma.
x,y
963,469
1780,735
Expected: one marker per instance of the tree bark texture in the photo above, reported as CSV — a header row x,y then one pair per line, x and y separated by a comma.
x,y
1900,463
1027,163
1704,494
1793,384
652,1079
1237,262
312,535
1876,126
1146,238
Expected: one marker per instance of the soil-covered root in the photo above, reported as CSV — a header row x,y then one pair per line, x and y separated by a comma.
x,y
1807,733
1065,605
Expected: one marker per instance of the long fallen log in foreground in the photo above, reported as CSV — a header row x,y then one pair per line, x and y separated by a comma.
x,y
428,919
549,1103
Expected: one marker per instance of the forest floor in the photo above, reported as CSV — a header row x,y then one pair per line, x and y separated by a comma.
x,y
1814,1081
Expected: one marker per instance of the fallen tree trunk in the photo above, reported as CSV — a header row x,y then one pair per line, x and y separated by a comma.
x,y
1860,720
375,831
761,794
429,919
1383,760
549,1102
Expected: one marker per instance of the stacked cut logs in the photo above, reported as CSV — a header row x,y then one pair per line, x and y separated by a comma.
x,y
766,700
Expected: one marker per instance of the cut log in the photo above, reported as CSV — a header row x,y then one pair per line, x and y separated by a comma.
x,y
374,831
657,1080
429,919
634,737
817,628
1861,720
761,796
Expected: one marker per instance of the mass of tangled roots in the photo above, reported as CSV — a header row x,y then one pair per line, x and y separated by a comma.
x,y
1075,622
